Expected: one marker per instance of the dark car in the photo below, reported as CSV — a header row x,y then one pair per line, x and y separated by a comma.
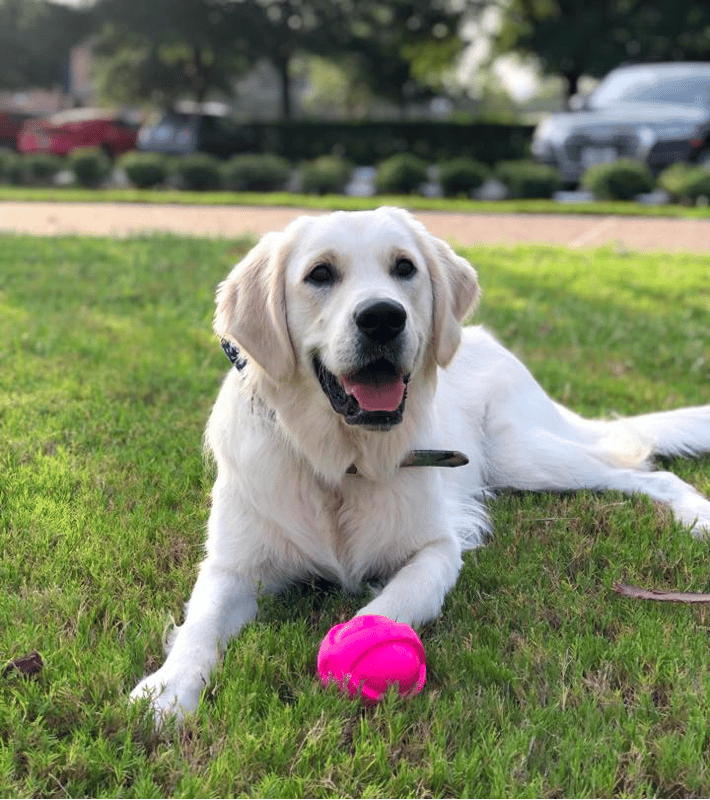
x,y
194,128
78,127
656,113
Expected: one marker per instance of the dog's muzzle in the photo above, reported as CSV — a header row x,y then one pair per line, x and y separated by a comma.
x,y
373,396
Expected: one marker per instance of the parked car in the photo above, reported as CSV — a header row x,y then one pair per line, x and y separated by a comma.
x,y
79,127
10,125
204,128
656,113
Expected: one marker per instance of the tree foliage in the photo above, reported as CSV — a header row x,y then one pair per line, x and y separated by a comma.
x,y
399,48
576,37
169,48
36,37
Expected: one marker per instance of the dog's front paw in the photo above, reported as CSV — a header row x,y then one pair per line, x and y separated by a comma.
x,y
169,696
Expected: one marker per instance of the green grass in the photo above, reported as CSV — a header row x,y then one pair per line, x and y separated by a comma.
x,y
541,681
336,201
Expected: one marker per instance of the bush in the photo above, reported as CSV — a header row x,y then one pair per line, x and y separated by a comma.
x,y
619,180
402,173
198,172
462,176
326,175
40,169
254,172
367,142
526,179
685,182
144,170
10,166
91,166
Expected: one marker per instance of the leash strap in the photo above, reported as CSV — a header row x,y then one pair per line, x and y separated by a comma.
x,y
427,458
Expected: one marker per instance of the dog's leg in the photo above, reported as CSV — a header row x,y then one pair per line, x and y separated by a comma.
x,y
221,603
548,448
415,594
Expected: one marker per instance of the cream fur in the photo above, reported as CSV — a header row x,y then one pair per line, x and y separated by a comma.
x,y
283,506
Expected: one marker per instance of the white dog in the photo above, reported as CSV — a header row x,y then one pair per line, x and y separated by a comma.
x,y
351,360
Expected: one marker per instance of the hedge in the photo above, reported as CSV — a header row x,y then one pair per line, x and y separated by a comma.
x,y
620,180
402,173
526,179
685,183
365,143
91,166
325,175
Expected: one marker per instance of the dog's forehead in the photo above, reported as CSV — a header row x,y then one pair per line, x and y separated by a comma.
x,y
355,235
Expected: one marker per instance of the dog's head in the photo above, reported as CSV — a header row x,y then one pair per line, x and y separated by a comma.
x,y
353,301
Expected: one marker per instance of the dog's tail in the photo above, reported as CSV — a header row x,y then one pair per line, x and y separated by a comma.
x,y
631,441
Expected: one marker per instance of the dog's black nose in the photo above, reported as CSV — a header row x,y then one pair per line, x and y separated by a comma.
x,y
382,320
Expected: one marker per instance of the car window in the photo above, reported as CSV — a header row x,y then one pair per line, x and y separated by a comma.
x,y
647,86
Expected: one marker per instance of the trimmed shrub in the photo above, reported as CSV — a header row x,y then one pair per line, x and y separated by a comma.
x,y
198,172
462,176
91,166
40,169
144,170
365,143
326,175
402,173
685,183
527,179
10,166
619,180
253,172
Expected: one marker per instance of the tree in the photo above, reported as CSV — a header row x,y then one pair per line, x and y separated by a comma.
x,y
576,37
283,29
398,48
167,49
402,47
36,38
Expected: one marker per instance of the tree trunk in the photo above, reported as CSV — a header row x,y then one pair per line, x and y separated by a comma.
x,y
199,81
572,77
282,65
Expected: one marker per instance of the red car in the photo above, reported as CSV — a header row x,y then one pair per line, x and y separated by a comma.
x,y
10,126
80,127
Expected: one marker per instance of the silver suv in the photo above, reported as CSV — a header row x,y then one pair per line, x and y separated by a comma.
x,y
656,113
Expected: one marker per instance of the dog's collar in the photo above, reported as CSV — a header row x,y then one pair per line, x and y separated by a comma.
x,y
415,458
233,354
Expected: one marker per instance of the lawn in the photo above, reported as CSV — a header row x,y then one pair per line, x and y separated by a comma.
x,y
336,201
541,681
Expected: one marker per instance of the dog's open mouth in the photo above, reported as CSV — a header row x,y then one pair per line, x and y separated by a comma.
x,y
373,396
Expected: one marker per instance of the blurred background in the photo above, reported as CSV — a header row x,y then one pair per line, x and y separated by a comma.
x,y
241,64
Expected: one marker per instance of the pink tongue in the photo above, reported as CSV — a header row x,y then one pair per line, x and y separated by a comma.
x,y
384,397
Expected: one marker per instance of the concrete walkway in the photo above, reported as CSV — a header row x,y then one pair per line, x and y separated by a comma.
x,y
573,230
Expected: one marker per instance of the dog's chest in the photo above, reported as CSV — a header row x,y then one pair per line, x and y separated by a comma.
x,y
368,530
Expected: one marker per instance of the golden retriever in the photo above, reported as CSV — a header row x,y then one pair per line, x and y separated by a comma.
x,y
352,365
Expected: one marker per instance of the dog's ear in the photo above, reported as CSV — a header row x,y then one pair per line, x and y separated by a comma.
x,y
251,306
455,287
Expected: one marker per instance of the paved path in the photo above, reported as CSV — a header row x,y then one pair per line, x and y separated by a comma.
x,y
573,230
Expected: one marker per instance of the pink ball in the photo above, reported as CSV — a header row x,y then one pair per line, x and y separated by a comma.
x,y
368,654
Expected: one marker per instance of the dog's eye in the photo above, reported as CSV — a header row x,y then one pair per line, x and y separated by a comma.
x,y
321,275
404,268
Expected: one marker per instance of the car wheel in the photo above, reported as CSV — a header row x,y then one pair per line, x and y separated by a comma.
x,y
703,159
